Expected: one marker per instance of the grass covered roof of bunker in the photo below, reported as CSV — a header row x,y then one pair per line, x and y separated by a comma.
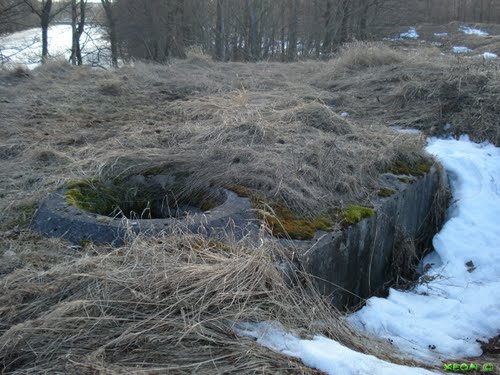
x,y
285,223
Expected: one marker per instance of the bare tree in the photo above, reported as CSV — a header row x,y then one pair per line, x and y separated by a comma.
x,y
14,15
43,9
219,32
274,29
77,26
293,29
112,33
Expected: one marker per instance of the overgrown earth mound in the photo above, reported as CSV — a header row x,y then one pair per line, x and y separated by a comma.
x,y
303,137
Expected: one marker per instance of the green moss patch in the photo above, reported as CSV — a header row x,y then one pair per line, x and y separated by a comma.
x,y
25,212
354,214
103,199
418,169
386,192
285,223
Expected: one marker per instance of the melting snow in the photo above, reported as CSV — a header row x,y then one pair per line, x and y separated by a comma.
x,y
405,130
410,34
321,353
461,49
489,55
471,31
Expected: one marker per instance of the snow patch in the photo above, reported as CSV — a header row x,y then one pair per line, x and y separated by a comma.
x,y
489,55
410,34
440,34
461,49
321,353
471,31
401,130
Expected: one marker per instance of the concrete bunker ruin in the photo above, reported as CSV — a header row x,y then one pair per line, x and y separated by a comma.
x,y
350,264
106,211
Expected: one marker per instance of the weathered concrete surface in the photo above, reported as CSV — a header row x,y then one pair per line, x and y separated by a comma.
x,y
56,218
356,262
349,265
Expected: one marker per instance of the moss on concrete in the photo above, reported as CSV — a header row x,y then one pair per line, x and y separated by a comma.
x,y
386,192
286,223
109,198
354,214
97,197
417,169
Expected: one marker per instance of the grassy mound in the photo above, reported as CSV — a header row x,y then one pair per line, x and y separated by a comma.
x,y
321,117
228,124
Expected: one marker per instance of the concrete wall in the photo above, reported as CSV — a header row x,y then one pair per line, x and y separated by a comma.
x,y
356,262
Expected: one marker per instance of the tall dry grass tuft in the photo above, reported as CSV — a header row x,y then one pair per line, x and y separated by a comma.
x,y
357,55
168,304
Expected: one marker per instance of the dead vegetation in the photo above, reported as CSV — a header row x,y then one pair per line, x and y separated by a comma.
x,y
163,305
262,126
272,128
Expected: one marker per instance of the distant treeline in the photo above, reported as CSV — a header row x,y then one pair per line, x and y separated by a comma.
x,y
248,30
276,29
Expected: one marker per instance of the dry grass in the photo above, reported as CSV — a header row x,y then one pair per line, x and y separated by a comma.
x,y
425,90
356,55
270,127
161,305
228,124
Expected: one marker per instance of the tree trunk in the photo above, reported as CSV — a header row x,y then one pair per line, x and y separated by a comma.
x,y
74,34
80,29
294,20
219,32
283,43
252,48
113,40
363,19
344,22
77,26
45,21
328,27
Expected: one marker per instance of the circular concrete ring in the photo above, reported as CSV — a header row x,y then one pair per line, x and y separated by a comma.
x,y
56,218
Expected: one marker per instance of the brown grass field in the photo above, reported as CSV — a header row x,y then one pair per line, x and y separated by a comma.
x,y
167,304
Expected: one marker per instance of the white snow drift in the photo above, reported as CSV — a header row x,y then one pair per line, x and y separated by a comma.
x,y
489,55
461,49
322,353
410,34
471,31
